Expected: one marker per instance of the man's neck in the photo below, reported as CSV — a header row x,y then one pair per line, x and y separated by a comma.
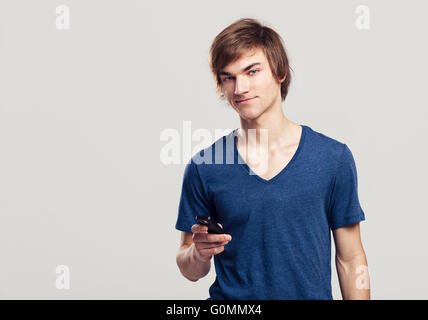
x,y
280,130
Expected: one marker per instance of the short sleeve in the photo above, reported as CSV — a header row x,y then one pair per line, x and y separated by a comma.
x,y
344,203
193,200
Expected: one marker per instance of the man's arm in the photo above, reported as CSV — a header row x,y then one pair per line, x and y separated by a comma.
x,y
351,263
187,259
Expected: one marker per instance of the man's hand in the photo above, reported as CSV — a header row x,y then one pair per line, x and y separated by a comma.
x,y
208,244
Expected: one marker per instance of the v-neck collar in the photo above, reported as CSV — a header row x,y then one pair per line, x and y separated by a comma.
x,y
247,169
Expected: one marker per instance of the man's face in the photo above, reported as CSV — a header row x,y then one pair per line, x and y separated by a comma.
x,y
250,77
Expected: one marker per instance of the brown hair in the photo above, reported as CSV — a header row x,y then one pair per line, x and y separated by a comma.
x,y
242,35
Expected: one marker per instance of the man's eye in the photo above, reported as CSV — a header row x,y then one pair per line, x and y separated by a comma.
x,y
225,79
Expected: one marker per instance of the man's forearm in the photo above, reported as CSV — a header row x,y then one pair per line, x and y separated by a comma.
x,y
354,278
190,266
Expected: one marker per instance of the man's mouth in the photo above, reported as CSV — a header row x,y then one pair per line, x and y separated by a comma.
x,y
245,100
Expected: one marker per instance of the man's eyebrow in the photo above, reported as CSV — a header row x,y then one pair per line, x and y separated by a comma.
x,y
224,73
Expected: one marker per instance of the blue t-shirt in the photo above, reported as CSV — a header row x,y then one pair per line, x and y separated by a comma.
x,y
280,228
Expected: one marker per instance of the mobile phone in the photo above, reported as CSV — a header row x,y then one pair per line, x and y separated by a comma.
x,y
213,226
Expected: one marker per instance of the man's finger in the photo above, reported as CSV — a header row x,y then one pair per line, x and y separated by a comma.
x,y
198,228
211,237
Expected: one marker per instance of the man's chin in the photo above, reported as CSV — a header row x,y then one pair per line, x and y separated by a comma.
x,y
249,114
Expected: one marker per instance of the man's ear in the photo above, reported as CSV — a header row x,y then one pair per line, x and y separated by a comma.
x,y
282,79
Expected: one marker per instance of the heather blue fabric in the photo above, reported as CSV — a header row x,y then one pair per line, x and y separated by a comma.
x,y
281,240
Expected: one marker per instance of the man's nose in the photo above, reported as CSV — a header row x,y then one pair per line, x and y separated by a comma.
x,y
241,85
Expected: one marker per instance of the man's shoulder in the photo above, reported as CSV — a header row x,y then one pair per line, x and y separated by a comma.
x,y
218,152
324,144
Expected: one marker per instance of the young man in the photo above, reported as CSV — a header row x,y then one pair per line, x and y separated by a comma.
x,y
278,220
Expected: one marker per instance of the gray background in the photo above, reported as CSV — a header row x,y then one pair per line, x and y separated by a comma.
x,y
81,112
